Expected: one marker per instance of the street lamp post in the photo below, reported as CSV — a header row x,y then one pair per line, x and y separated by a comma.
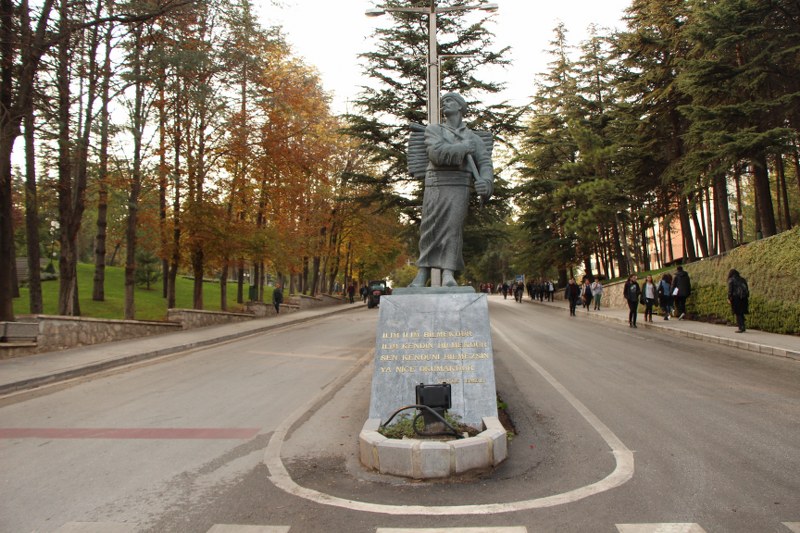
x,y
434,108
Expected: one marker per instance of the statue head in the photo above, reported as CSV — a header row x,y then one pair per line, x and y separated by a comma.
x,y
458,99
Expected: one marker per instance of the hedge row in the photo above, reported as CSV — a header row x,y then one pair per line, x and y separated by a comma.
x,y
772,269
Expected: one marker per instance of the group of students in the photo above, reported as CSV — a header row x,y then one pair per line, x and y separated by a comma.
x,y
670,293
589,293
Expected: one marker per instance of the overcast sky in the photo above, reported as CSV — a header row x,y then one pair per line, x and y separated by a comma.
x,y
330,34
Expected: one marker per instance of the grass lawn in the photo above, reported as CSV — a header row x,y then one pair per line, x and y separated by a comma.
x,y
149,304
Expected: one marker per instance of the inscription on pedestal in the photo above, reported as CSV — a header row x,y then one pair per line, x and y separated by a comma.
x,y
434,338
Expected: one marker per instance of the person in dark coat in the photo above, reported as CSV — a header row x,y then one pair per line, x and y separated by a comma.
x,y
277,298
572,294
632,293
738,297
681,289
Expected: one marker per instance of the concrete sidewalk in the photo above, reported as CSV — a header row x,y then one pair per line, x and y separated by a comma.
x,y
752,340
32,371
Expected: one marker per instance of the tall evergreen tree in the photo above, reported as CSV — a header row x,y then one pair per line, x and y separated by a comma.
x,y
398,98
743,80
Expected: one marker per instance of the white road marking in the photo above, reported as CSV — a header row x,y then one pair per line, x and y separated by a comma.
x,y
97,527
622,472
234,528
660,528
515,529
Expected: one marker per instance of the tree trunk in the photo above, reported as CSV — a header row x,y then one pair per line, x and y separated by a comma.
x,y
723,215
701,239
737,179
163,183
68,195
621,248
198,272
137,130
32,220
98,291
240,282
784,192
223,287
763,196
686,232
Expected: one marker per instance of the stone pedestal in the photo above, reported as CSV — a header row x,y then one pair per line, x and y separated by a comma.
x,y
434,335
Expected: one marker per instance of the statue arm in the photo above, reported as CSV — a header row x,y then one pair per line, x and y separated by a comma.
x,y
442,152
483,161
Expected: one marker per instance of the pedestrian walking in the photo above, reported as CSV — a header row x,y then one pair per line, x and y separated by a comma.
x,y
586,293
650,295
665,294
572,294
277,298
597,291
551,289
351,292
738,297
632,292
681,290
519,289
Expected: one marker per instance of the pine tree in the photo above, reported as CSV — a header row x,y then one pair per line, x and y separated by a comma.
x,y
398,98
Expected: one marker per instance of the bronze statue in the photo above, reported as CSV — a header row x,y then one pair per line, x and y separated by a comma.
x,y
456,160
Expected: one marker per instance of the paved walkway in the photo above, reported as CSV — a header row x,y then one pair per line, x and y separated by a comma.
x,y
30,372
752,340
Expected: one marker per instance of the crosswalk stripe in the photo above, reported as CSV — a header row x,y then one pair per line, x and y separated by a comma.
x,y
794,526
660,528
234,528
513,529
97,527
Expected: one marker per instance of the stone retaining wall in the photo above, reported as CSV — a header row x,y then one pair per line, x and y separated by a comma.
x,y
61,332
262,309
311,302
196,318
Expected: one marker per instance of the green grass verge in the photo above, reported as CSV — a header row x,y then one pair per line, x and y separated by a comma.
x,y
150,305
771,267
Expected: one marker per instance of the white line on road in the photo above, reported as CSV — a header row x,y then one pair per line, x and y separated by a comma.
x,y
622,473
512,529
234,528
660,528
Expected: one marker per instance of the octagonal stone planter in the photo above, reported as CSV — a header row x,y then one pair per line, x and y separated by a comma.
x,y
423,459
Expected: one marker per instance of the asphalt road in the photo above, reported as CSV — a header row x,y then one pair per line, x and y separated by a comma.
x,y
180,444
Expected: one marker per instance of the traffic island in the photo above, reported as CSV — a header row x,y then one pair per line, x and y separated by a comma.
x,y
433,353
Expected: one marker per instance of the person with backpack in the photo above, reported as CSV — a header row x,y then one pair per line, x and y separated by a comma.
x,y
738,297
681,290
632,293
665,294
